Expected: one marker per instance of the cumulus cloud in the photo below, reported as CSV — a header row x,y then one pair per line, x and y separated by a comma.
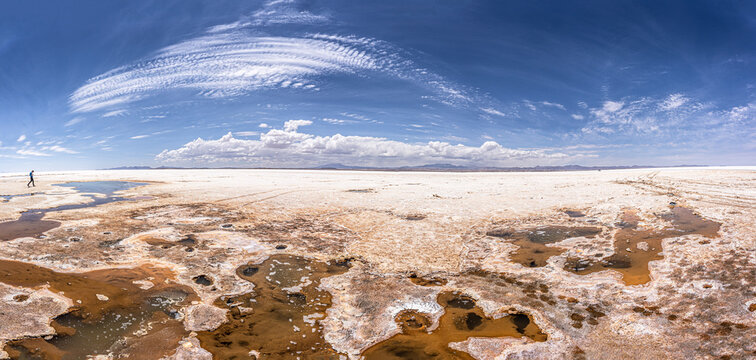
x,y
21,138
289,147
233,61
293,125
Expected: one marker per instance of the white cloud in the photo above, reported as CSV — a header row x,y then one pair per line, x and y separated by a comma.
x,y
577,116
672,102
358,117
454,138
74,121
529,105
237,61
293,125
115,113
493,111
288,147
135,137
612,106
551,104
59,149
246,133
274,13
31,152
674,116
263,126
338,121
21,138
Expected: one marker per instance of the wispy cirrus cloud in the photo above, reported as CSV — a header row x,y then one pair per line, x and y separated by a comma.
x,y
74,121
675,115
59,149
115,113
235,60
290,147
275,12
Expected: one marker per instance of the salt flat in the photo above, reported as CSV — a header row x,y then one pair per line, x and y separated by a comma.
x,y
695,297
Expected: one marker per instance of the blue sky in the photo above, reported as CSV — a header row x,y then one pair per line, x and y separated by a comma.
x,y
93,84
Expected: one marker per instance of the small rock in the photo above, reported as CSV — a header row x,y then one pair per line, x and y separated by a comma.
x,y
144,284
642,246
203,317
102,297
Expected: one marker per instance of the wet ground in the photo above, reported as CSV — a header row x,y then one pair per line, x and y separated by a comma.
x,y
109,312
635,247
341,265
462,319
279,320
533,244
31,224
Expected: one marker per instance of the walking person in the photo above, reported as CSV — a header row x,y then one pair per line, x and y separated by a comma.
x,y
31,179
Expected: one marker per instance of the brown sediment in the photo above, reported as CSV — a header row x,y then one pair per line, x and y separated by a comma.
x,y
35,348
164,334
634,248
574,213
461,320
414,217
427,281
279,319
533,251
108,308
28,225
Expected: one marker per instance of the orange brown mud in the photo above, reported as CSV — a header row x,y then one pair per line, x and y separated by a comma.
x,y
427,281
108,307
28,225
461,320
279,319
635,247
533,250
699,303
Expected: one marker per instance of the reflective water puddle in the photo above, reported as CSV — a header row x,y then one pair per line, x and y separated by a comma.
x,y
532,251
461,320
279,320
635,247
111,313
30,224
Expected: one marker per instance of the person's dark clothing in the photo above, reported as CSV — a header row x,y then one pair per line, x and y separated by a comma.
x,y
31,180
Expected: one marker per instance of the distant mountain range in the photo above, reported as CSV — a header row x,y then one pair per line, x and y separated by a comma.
x,y
428,167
